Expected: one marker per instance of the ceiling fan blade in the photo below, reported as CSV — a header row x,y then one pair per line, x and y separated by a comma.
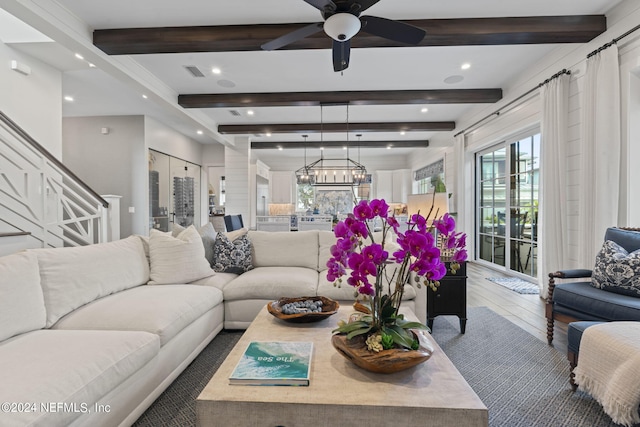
x,y
293,36
341,54
322,5
365,4
392,30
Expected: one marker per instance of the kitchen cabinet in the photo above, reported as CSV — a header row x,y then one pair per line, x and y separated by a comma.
x,y
281,187
393,186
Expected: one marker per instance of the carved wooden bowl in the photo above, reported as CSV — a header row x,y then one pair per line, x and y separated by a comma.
x,y
385,361
329,308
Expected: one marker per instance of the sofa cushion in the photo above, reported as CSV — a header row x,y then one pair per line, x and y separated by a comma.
x,y
74,368
232,256
272,283
218,280
617,270
161,310
628,239
285,249
177,259
208,235
326,239
72,277
344,292
21,300
583,301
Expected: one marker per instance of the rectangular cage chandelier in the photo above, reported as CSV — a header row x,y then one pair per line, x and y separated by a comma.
x,y
333,171
338,172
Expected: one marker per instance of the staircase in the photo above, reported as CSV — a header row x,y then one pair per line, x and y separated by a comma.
x,y
42,203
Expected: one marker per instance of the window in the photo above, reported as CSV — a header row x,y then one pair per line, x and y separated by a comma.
x,y
430,178
507,204
305,197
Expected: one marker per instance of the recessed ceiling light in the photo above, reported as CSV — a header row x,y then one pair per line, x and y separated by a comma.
x,y
388,147
424,110
344,148
144,96
92,65
68,98
268,134
321,148
250,112
79,56
279,148
216,70
200,132
402,132
465,66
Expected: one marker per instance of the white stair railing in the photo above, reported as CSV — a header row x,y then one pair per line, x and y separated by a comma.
x,y
39,195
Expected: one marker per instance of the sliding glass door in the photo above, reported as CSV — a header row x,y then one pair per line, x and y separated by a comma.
x,y
507,204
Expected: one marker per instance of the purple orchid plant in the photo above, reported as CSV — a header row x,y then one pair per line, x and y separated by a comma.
x,y
359,256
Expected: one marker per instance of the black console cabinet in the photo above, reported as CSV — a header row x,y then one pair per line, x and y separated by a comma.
x,y
450,298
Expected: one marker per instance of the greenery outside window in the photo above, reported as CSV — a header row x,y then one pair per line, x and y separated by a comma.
x,y
305,197
507,204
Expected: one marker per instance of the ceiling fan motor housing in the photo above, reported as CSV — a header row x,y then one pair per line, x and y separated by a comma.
x,y
342,26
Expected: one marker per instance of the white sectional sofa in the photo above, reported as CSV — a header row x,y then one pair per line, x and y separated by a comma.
x,y
83,339
291,264
91,336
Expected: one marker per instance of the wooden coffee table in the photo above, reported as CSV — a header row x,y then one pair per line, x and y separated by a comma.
x,y
340,394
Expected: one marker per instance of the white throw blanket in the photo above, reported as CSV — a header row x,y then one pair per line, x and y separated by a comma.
x,y
609,369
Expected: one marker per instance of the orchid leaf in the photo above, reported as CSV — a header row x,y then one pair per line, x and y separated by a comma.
x,y
405,324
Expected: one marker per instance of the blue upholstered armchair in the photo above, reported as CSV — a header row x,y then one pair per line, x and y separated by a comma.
x,y
610,301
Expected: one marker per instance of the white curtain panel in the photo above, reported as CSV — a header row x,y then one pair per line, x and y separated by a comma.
x,y
600,152
457,200
552,209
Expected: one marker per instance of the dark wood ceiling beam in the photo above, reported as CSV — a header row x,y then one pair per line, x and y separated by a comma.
x,y
336,127
440,32
263,145
380,97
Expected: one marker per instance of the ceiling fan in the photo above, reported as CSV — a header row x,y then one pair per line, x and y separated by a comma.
x,y
342,21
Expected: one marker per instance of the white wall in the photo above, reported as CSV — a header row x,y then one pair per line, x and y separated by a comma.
x,y
34,102
213,155
161,138
117,163
238,181
527,114
114,163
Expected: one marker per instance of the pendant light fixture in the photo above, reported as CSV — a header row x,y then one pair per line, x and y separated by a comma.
x,y
343,172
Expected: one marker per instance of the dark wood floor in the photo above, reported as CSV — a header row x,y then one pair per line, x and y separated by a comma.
x,y
526,311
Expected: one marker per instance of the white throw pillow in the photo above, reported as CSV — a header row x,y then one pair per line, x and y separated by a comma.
x,y
208,235
72,277
21,300
177,259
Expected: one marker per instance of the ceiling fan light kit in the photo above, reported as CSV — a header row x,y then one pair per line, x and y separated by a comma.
x,y
342,21
342,26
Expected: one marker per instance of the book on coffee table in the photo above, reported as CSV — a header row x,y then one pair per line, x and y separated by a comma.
x,y
274,363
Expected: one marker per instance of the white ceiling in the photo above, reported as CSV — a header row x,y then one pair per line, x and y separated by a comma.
x,y
96,92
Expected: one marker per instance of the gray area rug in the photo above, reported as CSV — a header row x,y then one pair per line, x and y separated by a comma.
x,y
517,285
523,381
176,406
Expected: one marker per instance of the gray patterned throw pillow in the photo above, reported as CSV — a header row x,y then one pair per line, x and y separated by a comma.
x,y
617,270
232,257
